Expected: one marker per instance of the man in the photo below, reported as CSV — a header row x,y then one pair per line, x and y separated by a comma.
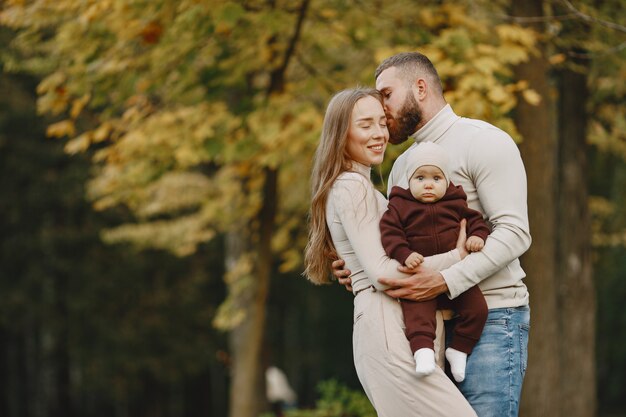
x,y
486,162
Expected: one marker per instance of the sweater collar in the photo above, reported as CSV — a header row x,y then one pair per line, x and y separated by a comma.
x,y
361,169
437,126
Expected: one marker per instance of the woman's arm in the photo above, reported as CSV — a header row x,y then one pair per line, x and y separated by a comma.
x,y
427,282
357,208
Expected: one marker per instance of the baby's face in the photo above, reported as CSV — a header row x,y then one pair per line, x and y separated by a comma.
x,y
428,184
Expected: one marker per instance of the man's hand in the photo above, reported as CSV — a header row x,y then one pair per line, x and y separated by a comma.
x,y
342,275
414,260
424,285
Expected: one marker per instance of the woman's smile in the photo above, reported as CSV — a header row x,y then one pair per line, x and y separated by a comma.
x,y
368,134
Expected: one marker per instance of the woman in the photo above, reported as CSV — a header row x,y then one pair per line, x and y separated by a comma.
x,y
345,214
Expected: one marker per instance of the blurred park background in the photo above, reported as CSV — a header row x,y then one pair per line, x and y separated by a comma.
x,y
154,167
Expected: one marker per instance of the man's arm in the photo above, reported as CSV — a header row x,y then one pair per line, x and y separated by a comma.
x,y
497,170
342,275
427,270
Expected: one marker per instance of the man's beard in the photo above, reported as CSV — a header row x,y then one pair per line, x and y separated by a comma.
x,y
409,117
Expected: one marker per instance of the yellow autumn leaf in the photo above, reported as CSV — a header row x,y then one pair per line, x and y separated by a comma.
x,y
557,59
516,34
60,129
531,97
487,64
328,13
52,81
102,132
291,260
191,86
78,105
78,144
512,53
498,94
486,49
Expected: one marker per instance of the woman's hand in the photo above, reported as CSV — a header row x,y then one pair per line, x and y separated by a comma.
x,y
460,242
342,275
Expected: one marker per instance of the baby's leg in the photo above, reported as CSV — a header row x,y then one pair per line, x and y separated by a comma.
x,y
420,323
471,310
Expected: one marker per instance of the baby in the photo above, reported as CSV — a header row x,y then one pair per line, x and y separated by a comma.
x,y
424,220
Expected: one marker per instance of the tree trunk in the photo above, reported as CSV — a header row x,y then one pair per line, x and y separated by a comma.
x,y
247,394
247,389
576,294
539,148
62,403
244,341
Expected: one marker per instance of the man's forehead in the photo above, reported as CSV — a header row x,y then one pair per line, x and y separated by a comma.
x,y
386,78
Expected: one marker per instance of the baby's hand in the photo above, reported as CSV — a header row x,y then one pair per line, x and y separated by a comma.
x,y
414,260
474,244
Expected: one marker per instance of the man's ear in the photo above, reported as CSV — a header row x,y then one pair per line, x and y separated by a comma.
x,y
420,88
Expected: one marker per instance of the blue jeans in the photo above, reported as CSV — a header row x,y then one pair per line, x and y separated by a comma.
x,y
496,368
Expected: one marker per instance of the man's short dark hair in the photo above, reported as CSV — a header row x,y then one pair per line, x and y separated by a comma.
x,y
411,65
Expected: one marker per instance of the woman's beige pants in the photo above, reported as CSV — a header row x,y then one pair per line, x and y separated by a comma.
x,y
386,368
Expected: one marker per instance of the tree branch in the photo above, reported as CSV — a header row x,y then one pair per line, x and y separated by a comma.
x,y
316,74
277,76
588,18
574,13
591,55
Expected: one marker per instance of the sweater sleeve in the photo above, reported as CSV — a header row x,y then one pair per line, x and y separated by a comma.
x,y
476,225
392,233
357,209
496,166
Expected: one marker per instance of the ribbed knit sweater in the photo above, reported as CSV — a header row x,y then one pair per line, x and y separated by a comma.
x,y
353,211
485,161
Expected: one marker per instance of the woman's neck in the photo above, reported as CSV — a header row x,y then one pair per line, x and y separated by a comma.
x,y
362,169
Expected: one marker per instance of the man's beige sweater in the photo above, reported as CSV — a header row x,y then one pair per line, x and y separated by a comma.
x,y
487,163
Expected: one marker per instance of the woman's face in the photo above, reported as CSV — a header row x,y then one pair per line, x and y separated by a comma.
x,y
368,134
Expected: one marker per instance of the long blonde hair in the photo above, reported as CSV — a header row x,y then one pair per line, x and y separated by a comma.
x,y
331,159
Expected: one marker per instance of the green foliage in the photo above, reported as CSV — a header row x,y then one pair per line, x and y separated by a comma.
x,y
125,321
186,103
337,400
603,50
607,179
182,105
175,87
597,40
